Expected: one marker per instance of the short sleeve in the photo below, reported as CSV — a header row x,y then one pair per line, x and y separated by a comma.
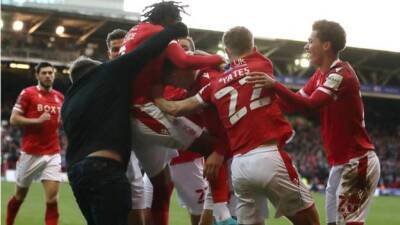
x,y
204,95
22,102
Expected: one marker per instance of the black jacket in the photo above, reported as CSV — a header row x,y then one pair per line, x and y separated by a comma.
x,y
96,109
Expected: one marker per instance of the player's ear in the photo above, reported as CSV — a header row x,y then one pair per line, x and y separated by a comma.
x,y
327,45
37,76
228,52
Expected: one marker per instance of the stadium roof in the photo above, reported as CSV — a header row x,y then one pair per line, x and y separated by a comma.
x,y
85,33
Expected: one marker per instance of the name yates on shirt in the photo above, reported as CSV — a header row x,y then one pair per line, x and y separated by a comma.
x,y
241,72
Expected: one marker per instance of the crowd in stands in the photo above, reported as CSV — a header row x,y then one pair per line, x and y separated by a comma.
x,y
305,149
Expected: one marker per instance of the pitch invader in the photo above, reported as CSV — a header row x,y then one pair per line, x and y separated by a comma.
x,y
114,41
37,110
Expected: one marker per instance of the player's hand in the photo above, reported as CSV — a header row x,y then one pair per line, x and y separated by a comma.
x,y
44,117
212,165
262,79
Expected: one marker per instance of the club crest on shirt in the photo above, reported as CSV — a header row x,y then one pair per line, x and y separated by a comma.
x,y
57,99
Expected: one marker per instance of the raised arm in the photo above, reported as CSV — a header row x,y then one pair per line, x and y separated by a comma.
x,y
131,63
318,99
179,108
177,55
176,108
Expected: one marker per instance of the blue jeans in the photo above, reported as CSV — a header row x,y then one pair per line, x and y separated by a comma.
x,y
101,190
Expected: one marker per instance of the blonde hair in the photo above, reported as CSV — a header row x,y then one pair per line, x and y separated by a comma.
x,y
238,40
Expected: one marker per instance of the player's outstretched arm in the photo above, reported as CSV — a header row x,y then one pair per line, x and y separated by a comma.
x,y
317,100
175,108
178,108
181,59
17,119
131,63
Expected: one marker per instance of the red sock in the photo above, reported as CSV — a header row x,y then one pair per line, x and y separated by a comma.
x,y
52,215
160,205
12,210
219,186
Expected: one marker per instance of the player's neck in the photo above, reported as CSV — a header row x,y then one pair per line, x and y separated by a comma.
x,y
234,57
44,88
327,63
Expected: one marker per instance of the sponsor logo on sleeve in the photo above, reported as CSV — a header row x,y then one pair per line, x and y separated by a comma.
x,y
333,81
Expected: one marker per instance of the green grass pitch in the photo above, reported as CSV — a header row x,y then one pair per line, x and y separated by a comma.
x,y
384,211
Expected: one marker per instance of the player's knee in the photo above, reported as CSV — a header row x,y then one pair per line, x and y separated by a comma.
x,y
52,196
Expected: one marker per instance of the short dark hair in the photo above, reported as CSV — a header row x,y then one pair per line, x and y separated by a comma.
x,y
41,65
332,32
114,35
81,66
159,13
239,40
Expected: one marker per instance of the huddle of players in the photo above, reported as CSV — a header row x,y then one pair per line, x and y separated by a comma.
x,y
242,108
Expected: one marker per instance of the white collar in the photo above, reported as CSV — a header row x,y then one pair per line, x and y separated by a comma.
x,y
334,63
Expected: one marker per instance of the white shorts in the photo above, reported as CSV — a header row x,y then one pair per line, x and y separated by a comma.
x,y
43,167
190,186
156,137
350,189
267,173
148,192
135,178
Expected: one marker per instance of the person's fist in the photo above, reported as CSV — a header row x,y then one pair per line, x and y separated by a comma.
x,y
212,165
44,117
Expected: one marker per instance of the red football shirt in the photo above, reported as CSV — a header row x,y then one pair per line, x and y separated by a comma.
x,y
249,113
41,139
174,93
151,73
342,120
210,116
